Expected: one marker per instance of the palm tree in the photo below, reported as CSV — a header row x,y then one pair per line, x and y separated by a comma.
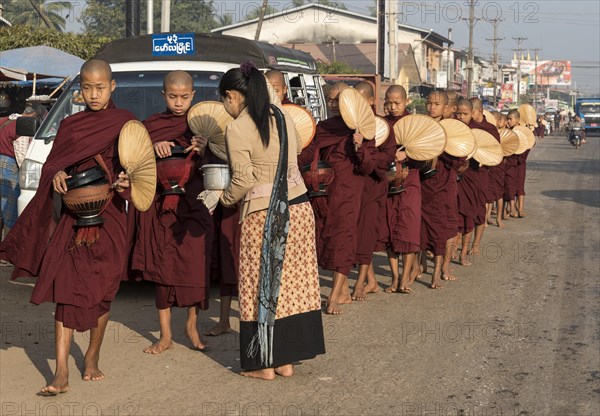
x,y
224,20
39,13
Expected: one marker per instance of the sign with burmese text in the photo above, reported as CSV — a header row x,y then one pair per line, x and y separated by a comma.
x,y
164,44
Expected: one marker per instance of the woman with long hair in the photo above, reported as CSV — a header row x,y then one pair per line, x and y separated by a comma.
x,y
279,293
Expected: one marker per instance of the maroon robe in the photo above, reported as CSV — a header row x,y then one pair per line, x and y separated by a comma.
x,y
439,208
401,226
224,266
471,197
510,177
82,280
481,175
373,201
8,134
173,249
336,215
495,189
521,173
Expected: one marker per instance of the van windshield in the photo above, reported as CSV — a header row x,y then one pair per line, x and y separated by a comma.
x,y
138,92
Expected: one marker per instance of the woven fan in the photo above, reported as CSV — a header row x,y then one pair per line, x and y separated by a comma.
x,y
528,134
303,121
523,140
209,119
489,117
136,155
509,141
528,115
357,113
460,141
488,151
382,130
423,138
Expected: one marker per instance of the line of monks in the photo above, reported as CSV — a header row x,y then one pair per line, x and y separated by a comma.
x,y
446,203
178,245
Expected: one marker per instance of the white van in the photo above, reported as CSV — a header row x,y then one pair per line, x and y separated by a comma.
x,y
139,65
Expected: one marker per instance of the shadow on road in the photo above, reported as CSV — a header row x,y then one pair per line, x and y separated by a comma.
x,y
590,198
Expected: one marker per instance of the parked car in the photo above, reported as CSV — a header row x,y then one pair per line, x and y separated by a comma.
x,y
139,67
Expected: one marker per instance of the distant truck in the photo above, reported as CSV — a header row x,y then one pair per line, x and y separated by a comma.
x,y
589,111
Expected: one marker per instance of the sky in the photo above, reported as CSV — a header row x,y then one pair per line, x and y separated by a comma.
x,y
563,30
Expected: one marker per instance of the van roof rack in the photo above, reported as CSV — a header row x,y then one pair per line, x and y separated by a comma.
x,y
212,47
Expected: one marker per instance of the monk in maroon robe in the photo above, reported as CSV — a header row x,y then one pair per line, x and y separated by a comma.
x,y
82,277
336,215
372,207
400,227
277,81
511,174
224,265
174,243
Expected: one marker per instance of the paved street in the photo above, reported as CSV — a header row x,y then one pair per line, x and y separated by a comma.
x,y
517,334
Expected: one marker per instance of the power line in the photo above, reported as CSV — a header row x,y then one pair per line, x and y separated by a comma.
x,y
495,40
519,40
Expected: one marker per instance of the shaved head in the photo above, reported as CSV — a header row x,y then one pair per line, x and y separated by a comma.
x,y
337,88
466,103
365,89
274,75
477,104
97,66
333,103
396,89
452,97
441,94
180,78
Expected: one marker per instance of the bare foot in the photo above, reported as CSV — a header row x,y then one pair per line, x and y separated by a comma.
x,y
500,224
405,290
474,250
285,370
371,288
161,345
435,286
333,308
59,385
264,374
91,371
392,289
448,277
345,299
219,329
191,332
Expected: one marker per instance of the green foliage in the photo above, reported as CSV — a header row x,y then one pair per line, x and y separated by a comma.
x,y
336,4
298,3
107,17
255,13
84,46
419,105
335,67
21,12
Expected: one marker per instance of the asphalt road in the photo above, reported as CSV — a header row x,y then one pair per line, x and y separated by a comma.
x,y
517,334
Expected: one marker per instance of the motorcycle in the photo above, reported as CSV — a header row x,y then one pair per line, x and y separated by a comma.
x,y
575,137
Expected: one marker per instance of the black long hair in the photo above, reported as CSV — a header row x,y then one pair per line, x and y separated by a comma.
x,y
252,84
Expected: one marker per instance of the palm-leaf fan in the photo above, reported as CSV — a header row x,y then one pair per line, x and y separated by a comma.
x,y
488,151
382,130
357,113
422,137
460,141
528,134
528,115
523,140
509,141
136,155
489,117
303,121
209,119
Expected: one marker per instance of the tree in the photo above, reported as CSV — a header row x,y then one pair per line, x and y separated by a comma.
x,y
22,12
254,13
335,4
107,17
224,20
298,3
335,67
21,36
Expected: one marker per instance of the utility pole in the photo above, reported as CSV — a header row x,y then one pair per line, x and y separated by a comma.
x,y
535,80
150,17
470,58
495,40
392,41
448,83
261,17
381,37
165,16
519,40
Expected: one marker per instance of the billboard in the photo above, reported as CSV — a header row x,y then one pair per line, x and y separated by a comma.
x,y
549,73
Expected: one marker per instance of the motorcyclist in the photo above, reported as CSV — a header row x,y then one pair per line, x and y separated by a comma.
x,y
576,124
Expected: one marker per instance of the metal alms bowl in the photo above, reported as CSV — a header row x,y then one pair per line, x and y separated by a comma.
x,y
216,177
